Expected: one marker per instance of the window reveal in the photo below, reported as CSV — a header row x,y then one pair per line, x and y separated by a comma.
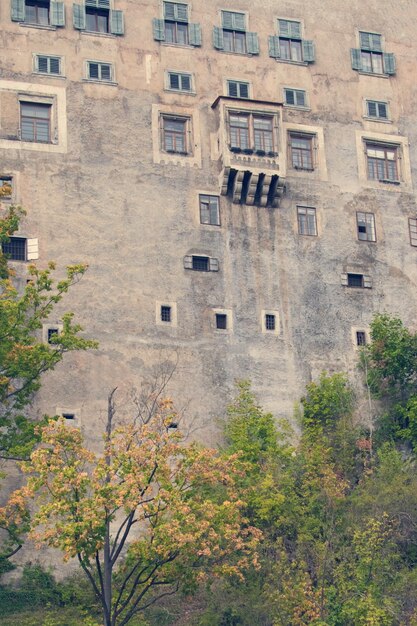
x,y
35,122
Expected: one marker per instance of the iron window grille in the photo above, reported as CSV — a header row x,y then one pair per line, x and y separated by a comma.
x,y
269,321
307,223
366,226
209,210
35,122
165,313
15,249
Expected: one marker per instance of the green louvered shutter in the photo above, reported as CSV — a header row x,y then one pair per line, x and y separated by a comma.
x,y
274,47
239,21
355,56
365,41
117,25
78,15
227,19
194,34
295,30
308,51
181,12
158,29
252,43
390,64
17,9
57,13
218,38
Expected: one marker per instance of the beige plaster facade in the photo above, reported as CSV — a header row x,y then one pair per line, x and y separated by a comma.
x,y
113,188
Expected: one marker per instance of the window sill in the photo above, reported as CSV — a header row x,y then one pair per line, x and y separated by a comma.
x,y
173,153
178,45
297,107
180,92
291,62
100,82
373,74
240,54
303,169
47,75
380,120
41,26
94,33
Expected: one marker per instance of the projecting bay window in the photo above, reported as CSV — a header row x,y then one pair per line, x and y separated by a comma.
x,y
382,162
96,16
370,58
174,134
251,133
366,226
35,122
175,28
38,12
232,36
301,151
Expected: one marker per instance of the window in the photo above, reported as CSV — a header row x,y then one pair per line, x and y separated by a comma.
x,y
35,122
251,132
237,89
370,58
295,97
95,16
38,12
179,82
382,162
366,226
221,321
20,249
174,134
232,36
269,321
301,151
6,187
307,224
209,210
378,110
360,338
165,313
412,224
99,71
68,416
201,263
47,65
175,28
288,45
52,334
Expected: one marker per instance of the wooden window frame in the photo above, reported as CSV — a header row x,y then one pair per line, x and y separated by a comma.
x,y
304,223
97,13
100,65
35,121
249,138
377,104
373,163
368,220
306,155
295,93
239,84
176,135
205,202
38,4
181,76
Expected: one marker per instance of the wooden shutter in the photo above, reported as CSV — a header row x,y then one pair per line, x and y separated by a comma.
x,y
117,26
57,13
213,265
367,282
218,38
274,48
181,12
98,4
294,30
42,64
355,56
252,43
300,98
243,90
188,262
390,65
78,16
105,71
232,88
17,9
158,29
382,110
284,28
32,249
93,71
194,34
308,51
185,82
344,280
365,41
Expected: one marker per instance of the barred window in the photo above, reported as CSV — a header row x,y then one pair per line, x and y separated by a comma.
x,y
165,313
269,321
15,249
307,223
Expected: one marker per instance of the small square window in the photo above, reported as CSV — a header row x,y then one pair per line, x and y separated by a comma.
x,y
6,187
307,223
366,226
99,71
201,263
355,280
165,313
221,321
360,338
269,321
179,81
15,249
376,109
412,224
52,334
238,89
210,210
295,97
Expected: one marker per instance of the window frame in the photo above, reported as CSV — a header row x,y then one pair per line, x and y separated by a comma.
x,y
239,84
286,42
49,57
302,152
35,121
36,4
100,65
368,219
355,280
97,12
181,76
295,93
378,104
175,26
235,37
304,225
15,249
246,138
373,163
185,134
166,313
202,203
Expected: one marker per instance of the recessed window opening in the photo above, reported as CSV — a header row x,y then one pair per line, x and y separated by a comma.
x,y
97,20
221,321
15,249
35,122
201,263
269,321
209,210
165,313
355,280
68,416
52,334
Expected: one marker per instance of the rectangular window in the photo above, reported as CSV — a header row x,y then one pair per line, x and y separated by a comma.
x,y
301,151
234,32
176,23
307,223
355,280
35,122
99,71
209,210
249,131
382,162
237,89
97,20
360,338
15,249
174,134
239,130
262,133
370,58
221,321
269,321
6,187
37,12
179,82
378,110
48,65
412,224
295,97
52,333
165,313
290,40
366,226
200,263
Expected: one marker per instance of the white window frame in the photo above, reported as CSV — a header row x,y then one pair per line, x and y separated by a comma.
x,y
295,91
168,87
36,69
238,83
376,118
110,81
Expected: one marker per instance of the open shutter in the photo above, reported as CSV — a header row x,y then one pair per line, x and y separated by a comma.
x,y
188,262
32,249
274,48
78,16
355,56
158,29
365,41
218,38
252,43
117,25
367,282
213,265
308,51
344,280
57,13
390,65
17,9
194,34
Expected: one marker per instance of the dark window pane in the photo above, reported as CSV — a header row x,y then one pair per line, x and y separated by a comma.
x,y
221,321
269,321
360,338
15,249
165,313
201,263
355,280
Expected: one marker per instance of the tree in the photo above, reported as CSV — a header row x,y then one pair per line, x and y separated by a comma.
x,y
144,518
